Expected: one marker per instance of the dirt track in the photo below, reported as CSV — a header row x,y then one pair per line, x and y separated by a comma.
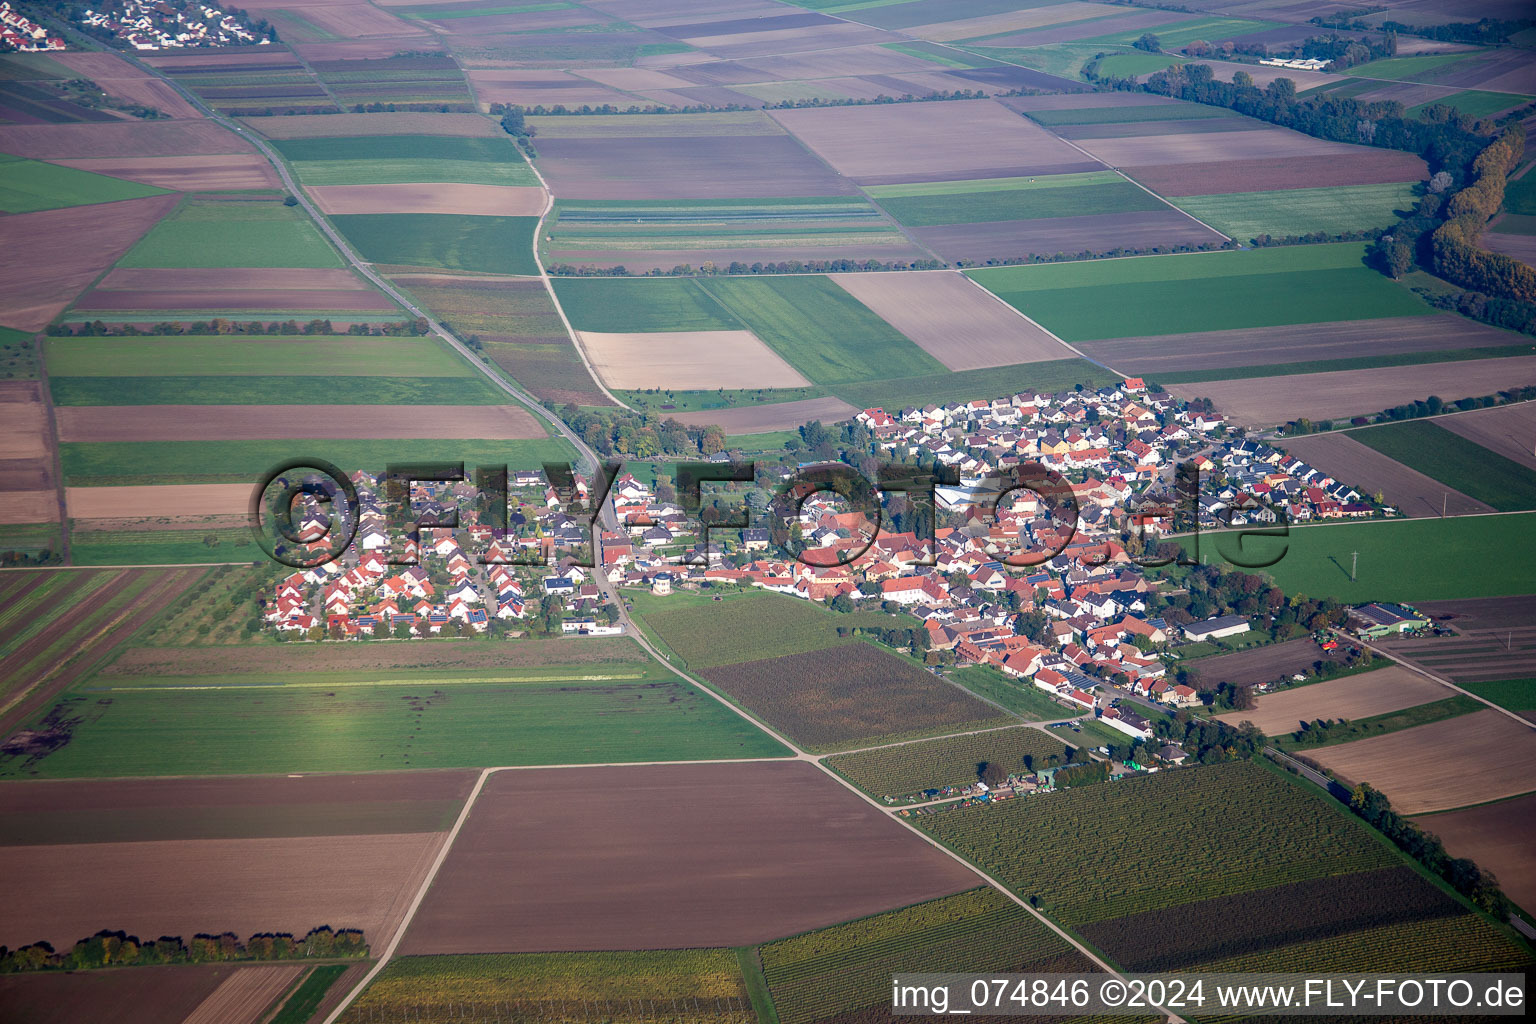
x,y
291,422
669,856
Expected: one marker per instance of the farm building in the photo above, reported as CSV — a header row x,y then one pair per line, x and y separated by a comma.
x,y
1373,620
1215,629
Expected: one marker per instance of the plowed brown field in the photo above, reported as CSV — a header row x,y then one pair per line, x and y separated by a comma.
x,y
184,173
1500,837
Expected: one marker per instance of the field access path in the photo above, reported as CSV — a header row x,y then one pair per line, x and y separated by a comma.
x,y
590,464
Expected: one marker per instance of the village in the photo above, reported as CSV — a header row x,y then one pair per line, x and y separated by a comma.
x,y
1076,625
172,24
20,33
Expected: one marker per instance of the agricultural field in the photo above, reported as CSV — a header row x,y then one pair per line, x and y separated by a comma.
x,y
464,242
220,724
1206,291
622,987
902,771
978,202
396,159
426,79
1492,756
1501,430
1463,464
1351,697
1036,845
844,972
1342,456
143,995
614,306
755,852
1500,837
516,325
128,424
1493,641
233,233
157,293
31,185
1387,722
1027,702
851,695
1303,211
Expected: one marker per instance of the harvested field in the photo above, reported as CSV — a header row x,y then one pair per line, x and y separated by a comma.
x,y
1413,493
1500,837
961,325
875,144
1509,430
850,695
185,173
1358,696
756,419
1478,757
23,421
750,166
270,301
44,264
752,852
543,88
1029,17
119,140
1481,613
1347,165
1320,396
140,995
121,80
1294,343
1259,143
233,279
238,288
1262,664
1099,233
688,361
431,198
155,502
1515,246
245,996
27,506
281,422
62,813
321,126
63,893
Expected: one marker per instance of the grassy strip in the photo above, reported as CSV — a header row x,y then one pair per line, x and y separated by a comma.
x,y
305,1000
274,391
1380,725
1025,700
1513,694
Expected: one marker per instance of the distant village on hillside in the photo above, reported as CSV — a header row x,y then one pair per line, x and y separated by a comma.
x,y
174,24
20,33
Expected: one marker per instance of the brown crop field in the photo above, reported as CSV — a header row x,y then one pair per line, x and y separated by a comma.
x,y
1350,166
795,249
121,80
1520,247
1262,664
669,857
279,422
275,300
146,662
960,324
489,200
1358,696
1258,143
232,279
45,266
184,173
1455,762
688,361
23,420
1144,229
878,144
27,506
853,694
138,995
1266,346
180,887
1265,401
1011,21
1509,430
118,140
320,126
157,501
542,88
1500,837
245,996
756,419
70,811
1363,467
686,168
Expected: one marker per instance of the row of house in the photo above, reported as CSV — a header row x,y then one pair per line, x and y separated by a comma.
x,y
170,24
18,32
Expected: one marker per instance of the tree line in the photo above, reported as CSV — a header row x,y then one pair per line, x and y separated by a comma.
x,y
1434,405
119,949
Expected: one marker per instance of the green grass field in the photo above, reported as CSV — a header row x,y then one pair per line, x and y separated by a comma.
x,y
248,356
390,159
1034,203
1128,115
148,462
30,185
701,633
1473,103
1182,33
1467,466
1514,694
1400,560
246,390
1020,697
233,233
1131,63
1406,69
640,713
1247,215
901,771
820,329
616,306
305,1000
1064,60
164,547
492,245
1520,196
1201,291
